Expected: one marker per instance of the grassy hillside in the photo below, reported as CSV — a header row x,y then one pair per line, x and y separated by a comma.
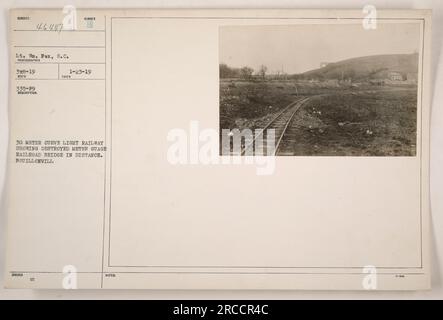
x,y
370,67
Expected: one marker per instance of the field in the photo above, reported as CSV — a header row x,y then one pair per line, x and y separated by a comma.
x,y
337,120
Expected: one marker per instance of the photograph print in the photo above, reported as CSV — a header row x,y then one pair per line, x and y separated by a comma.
x,y
319,89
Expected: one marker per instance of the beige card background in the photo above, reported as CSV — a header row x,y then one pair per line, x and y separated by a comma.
x,y
220,201
313,211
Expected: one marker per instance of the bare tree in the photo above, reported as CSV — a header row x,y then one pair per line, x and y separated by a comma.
x,y
246,73
262,71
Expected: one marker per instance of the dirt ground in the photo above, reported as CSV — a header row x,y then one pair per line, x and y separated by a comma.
x,y
336,121
250,104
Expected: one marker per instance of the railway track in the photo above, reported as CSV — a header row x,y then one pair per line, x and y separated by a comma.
x,y
280,123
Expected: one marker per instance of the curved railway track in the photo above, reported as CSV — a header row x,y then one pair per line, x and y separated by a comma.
x,y
280,123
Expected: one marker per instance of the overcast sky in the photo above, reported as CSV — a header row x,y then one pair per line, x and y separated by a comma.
x,y
299,48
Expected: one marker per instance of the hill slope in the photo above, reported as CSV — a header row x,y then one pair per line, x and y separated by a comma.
x,y
370,67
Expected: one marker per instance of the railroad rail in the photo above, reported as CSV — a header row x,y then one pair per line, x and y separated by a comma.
x,y
280,124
